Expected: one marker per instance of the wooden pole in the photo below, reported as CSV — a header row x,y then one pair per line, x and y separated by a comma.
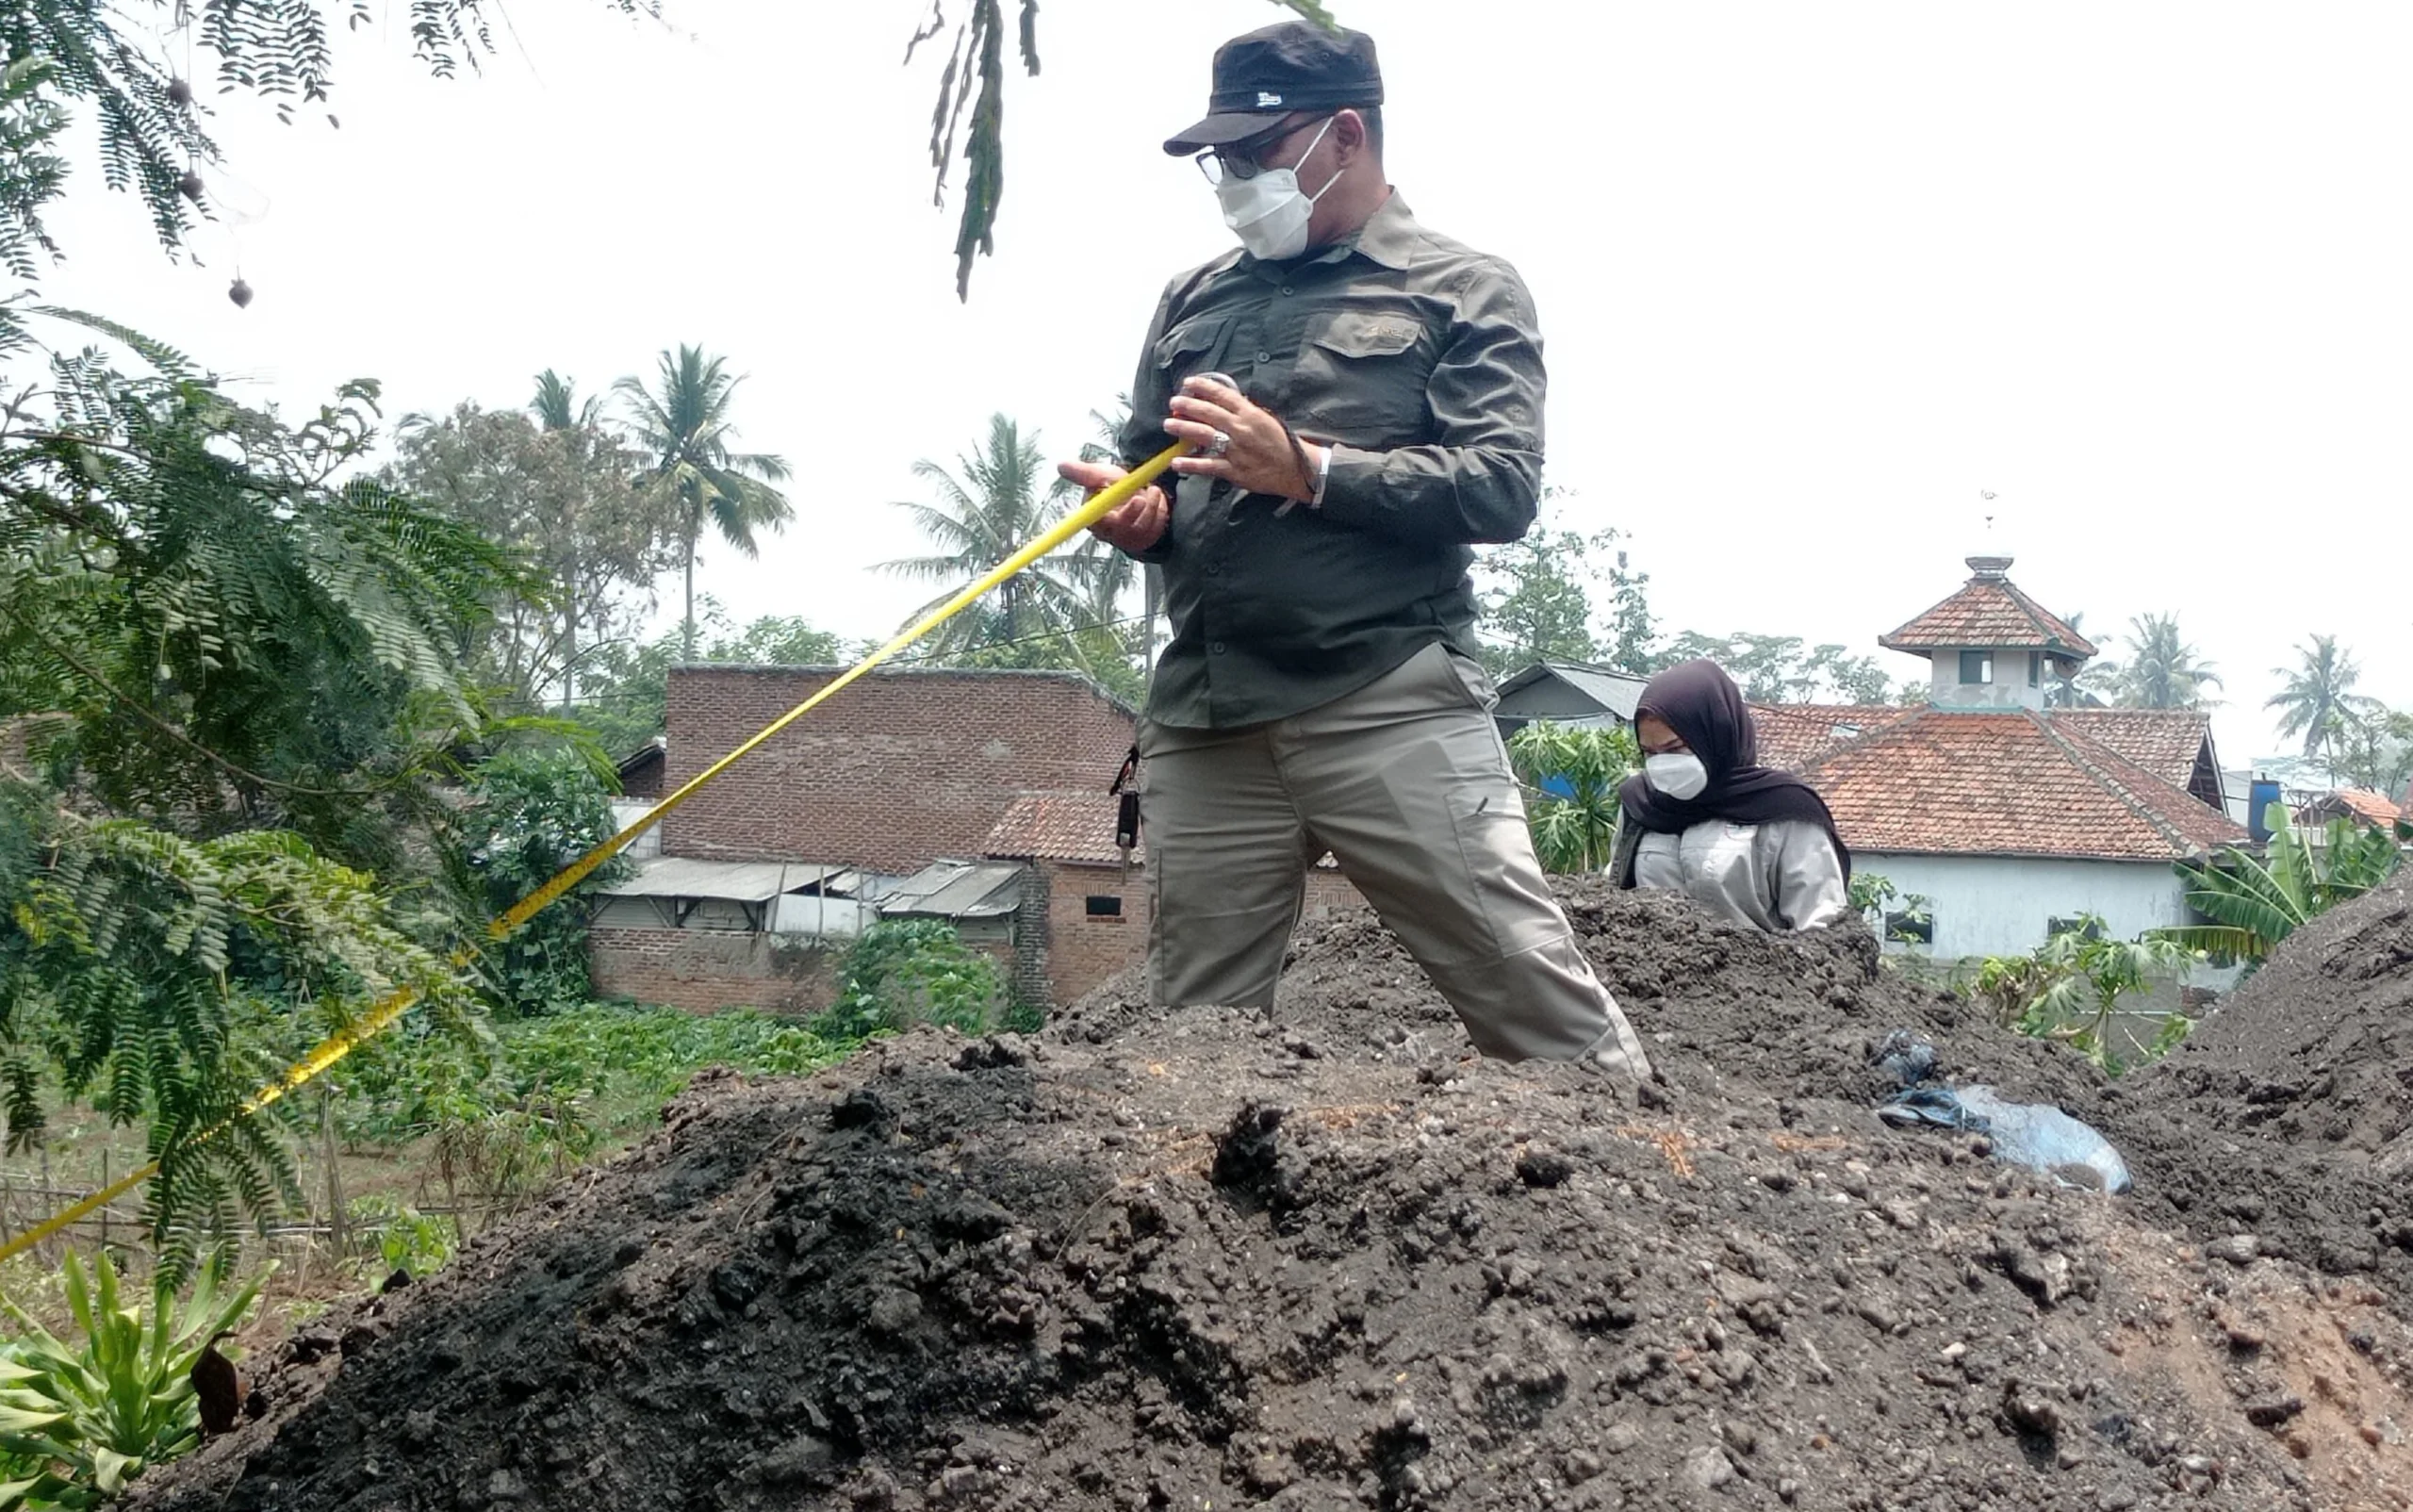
x,y
335,1175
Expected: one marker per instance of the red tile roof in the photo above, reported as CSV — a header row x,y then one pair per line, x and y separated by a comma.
x,y
2364,804
1059,827
1794,735
2165,742
1949,783
1988,611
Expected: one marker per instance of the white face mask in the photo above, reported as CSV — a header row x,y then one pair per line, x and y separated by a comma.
x,y
1270,212
1679,773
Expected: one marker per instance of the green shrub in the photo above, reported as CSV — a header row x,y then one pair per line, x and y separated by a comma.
x,y
407,1238
903,971
536,812
2067,988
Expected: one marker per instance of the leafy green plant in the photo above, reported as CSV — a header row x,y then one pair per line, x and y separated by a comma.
x,y
80,1421
620,1061
1870,892
404,1237
903,971
534,812
1574,829
2067,989
241,660
1025,1017
2254,902
161,979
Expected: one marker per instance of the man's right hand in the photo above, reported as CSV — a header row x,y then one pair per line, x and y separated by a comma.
x,y
1138,524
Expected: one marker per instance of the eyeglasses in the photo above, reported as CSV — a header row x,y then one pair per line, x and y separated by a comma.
x,y
1244,160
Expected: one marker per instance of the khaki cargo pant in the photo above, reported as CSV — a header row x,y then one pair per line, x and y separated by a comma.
x,y
1407,784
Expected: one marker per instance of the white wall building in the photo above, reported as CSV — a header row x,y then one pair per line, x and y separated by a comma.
x,y
2005,815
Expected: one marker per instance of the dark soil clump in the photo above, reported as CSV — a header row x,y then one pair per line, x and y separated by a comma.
x,y
1325,1258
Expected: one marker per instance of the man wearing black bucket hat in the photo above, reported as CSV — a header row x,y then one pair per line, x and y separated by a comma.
x,y
1365,398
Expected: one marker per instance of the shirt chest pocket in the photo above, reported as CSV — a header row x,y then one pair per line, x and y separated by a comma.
x,y
1719,850
1361,381
1195,346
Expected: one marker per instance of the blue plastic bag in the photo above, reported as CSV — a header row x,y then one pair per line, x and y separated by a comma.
x,y
2029,1134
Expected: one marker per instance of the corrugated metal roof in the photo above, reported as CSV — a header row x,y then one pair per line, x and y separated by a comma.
x,y
740,882
1615,693
958,890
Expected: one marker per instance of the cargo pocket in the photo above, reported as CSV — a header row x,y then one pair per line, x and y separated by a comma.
x,y
1496,851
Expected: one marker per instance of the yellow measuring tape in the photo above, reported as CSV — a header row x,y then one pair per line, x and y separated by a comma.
x,y
394,1005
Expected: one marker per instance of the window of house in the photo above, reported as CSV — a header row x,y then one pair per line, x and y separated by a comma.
x,y
2035,668
1098,906
2085,925
1977,666
1912,926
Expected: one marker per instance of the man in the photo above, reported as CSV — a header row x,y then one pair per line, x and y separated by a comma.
x,y
1365,398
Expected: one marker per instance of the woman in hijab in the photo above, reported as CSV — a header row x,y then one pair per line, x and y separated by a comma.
x,y
1703,818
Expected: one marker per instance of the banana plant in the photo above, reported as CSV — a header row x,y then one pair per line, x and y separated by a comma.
x,y
1571,778
2254,902
78,1424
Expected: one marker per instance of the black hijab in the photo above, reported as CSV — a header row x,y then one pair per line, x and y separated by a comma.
x,y
1700,703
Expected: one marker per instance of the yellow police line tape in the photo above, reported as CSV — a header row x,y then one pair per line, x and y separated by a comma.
x,y
394,1005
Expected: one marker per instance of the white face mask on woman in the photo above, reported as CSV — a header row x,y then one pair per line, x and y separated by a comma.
x,y
1679,773
1268,212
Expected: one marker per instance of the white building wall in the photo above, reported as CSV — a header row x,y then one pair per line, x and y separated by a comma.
x,y
626,811
2002,905
2009,689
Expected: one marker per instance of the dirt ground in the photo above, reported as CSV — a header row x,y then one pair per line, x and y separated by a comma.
x,y
1325,1258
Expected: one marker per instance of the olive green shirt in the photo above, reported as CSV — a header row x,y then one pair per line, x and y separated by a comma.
x,y
1416,359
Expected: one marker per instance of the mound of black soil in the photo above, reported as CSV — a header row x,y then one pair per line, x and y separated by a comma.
x,y
1323,1258
2289,1111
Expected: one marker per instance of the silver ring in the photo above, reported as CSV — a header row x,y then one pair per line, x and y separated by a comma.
x,y
1221,444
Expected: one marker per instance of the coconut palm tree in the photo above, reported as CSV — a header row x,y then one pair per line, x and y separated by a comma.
x,y
1000,499
2163,673
556,405
683,424
2317,693
2082,689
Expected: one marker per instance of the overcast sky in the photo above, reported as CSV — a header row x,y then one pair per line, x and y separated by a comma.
x,y
1811,277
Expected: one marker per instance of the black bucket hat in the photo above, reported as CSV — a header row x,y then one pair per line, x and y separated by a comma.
x,y
1273,72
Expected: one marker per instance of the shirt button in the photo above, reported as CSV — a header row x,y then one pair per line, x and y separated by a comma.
x,y
1285,288
1214,569
1265,356
1217,648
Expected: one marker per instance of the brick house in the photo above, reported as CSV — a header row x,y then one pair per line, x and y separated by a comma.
x,y
900,769
1089,914
870,796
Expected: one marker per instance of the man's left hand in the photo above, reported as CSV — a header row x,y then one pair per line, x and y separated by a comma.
x,y
1258,457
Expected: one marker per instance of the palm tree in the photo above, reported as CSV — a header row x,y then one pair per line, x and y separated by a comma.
x,y
2163,673
556,406
683,422
1001,499
2083,688
2317,693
